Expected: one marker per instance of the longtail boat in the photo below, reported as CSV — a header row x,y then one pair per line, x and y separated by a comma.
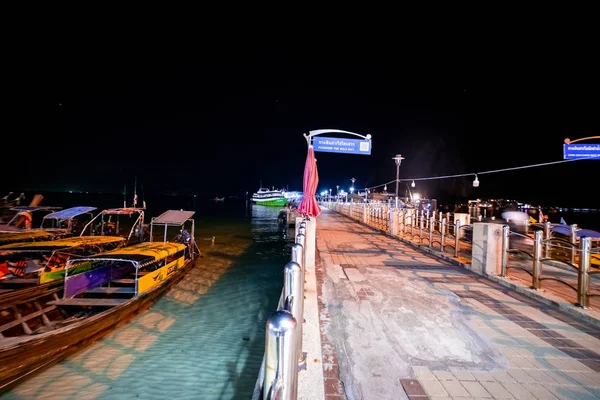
x,y
100,293
29,264
56,224
17,223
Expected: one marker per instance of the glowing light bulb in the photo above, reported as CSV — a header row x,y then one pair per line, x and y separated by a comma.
x,y
476,181
412,184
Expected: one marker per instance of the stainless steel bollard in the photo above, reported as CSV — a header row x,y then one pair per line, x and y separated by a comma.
x,y
573,240
505,248
302,230
456,238
293,286
281,367
443,233
431,228
547,233
537,257
583,277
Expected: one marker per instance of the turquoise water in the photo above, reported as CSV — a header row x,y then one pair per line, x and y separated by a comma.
x,y
203,340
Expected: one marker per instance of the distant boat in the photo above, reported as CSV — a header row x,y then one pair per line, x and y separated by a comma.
x,y
266,197
219,199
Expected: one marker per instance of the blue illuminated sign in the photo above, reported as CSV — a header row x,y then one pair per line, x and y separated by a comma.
x,y
579,151
339,145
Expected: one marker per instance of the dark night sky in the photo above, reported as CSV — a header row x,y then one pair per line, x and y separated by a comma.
x,y
215,119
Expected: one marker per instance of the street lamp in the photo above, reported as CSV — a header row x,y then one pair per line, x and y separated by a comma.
x,y
329,194
398,159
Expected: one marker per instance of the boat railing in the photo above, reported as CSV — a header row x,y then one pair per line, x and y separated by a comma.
x,y
278,378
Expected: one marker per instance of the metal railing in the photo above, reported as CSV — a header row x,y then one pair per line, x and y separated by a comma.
x,y
283,346
555,252
445,231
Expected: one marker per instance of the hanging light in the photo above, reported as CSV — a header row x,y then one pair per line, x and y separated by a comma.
x,y
476,181
385,188
412,184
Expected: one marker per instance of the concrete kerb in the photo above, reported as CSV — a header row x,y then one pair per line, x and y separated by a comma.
x,y
538,295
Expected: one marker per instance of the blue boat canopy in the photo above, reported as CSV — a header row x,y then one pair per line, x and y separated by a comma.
x,y
70,212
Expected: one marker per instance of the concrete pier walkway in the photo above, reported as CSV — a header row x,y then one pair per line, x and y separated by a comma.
x,y
397,324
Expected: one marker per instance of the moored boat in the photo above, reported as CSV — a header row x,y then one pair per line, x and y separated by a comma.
x,y
23,265
267,197
56,224
100,293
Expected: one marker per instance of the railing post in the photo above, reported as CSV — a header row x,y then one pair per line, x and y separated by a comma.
x,y
431,228
393,222
412,223
505,248
443,233
293,286
583,277
421,225
547,233
456,238
427,219
281,367
537,263
403,221
573,240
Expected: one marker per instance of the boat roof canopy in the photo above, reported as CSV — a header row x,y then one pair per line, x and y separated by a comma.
x,y
70,212
127,211
173,217
142,253
61,243
34,208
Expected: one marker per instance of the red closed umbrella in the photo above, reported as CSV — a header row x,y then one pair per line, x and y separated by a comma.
x,y
308,205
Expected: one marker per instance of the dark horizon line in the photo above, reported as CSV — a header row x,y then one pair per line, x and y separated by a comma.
x,y
456,199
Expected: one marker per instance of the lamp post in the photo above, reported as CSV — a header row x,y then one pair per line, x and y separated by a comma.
x,y
337,192
329,194
398,159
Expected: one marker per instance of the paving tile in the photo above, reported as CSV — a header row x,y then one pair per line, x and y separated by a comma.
x,y
475,389
455,389
462,374
517,391
539,391
496,390
423,373
502,376
434,388
444,375
412,387
541,377
520,375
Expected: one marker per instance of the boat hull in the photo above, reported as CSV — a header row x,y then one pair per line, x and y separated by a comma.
x,y
21,359
270,202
